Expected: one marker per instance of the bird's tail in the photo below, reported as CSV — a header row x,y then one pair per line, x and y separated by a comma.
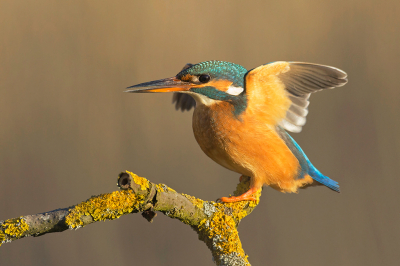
x,y
320,178
306,165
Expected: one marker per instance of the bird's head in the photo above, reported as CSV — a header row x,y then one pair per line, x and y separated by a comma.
x,y
207,82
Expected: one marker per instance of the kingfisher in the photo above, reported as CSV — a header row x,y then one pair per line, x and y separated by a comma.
x,y
241,118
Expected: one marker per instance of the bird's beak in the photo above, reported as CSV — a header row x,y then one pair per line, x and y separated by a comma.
x,y
161,85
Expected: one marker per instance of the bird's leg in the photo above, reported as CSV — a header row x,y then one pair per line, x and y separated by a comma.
x,y
245,196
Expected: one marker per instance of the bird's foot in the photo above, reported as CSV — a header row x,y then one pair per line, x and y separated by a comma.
x,y
245,196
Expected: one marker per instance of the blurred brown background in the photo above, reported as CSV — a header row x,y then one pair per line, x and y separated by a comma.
x,y
67,129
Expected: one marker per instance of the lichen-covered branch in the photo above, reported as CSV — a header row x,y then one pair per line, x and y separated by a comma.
x,y
215,223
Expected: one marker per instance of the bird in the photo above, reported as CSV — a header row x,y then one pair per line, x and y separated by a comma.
x,y
241,118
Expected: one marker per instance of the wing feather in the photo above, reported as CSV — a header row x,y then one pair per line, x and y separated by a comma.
x,y
296,80
305,78
183,102
300,81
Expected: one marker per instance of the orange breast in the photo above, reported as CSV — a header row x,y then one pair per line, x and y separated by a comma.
x,y
249,146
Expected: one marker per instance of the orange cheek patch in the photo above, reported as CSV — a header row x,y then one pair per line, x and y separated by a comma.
x,y
222,85
187,77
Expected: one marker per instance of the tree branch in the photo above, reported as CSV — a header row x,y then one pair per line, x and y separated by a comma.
x,y
215,223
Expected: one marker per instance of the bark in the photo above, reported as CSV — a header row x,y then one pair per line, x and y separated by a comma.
x,y
216,223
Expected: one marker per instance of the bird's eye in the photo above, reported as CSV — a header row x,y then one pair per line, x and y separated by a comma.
x,y
204,78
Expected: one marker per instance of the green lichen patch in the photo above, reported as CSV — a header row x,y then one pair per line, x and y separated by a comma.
x,y
15,228
108,206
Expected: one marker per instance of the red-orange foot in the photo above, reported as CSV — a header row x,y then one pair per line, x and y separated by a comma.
x,y
245,196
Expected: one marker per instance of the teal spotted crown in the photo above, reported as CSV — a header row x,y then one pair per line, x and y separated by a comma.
x,y
218,70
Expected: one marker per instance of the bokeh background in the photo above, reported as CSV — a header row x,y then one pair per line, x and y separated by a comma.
x,y
67,129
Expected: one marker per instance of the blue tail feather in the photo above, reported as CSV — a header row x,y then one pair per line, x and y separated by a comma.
x,y
305,164
320,178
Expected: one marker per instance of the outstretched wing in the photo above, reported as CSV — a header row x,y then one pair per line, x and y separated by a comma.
x,y
300,80
183,101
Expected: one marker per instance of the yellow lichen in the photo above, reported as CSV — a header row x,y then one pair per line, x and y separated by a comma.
x,y
108,206
2,237
222,229
241,214
143,182
170,189
160,187
254,204
15,227
164,188
197,202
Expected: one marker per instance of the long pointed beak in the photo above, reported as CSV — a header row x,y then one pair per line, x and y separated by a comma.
x,y
161,85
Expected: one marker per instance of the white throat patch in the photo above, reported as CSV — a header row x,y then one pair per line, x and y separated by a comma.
x,y
232,90
202,99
